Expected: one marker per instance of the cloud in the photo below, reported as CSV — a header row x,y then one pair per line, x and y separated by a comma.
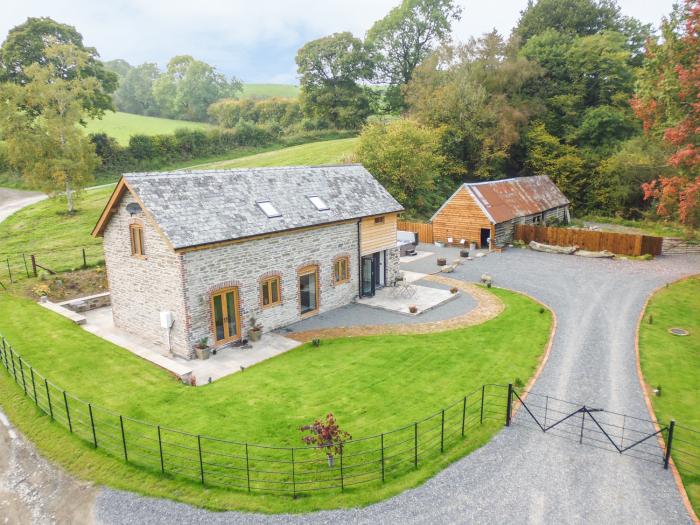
x,y
255,40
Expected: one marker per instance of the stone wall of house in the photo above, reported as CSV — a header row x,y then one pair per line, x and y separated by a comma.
x,y
244,264
142,287
392,265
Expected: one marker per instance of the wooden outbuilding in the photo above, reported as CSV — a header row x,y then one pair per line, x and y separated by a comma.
x,y
486,213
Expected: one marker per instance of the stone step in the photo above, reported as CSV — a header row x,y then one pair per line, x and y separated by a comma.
x,y
65,312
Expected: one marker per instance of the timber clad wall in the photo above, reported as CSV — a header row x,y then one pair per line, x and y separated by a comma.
x,y
424,230
461,218
375,237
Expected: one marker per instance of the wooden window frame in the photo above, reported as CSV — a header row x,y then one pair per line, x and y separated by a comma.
x,y
268,280
307,270
337,275
379,220
237,305
136,240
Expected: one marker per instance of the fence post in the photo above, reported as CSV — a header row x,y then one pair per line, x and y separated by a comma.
x,y
12,358
382,444
33,259
92,424
26,269
509,404
65,400
21,370
415,444
121,424
48,397
201,463
481,416
9,271
294,478
84,259
247,466
442,432
160,451
583,422
464,413
669,443
31,373
342,480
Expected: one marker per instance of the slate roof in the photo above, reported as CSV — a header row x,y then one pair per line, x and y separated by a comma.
x,y
201,207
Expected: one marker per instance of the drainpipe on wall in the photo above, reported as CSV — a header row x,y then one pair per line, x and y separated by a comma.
x,y
359,261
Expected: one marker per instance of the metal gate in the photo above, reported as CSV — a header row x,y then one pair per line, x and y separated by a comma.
x,y
621,433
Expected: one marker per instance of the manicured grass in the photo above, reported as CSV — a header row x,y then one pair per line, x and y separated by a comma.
x,y
121,126
371,384
312,154
673,363
644,227
270,90
45,230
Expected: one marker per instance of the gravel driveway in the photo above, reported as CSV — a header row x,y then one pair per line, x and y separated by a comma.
x,y
523,476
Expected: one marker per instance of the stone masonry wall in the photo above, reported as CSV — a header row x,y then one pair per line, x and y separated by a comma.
x,y
141,288
243,264
393,256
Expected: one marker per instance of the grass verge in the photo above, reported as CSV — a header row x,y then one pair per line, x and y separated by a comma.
x,y
364,381
673,363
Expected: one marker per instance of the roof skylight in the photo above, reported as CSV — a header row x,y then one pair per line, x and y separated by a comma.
x,y
319,203
268,209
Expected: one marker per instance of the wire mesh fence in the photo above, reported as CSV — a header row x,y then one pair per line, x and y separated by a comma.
x,y
15,267
254,467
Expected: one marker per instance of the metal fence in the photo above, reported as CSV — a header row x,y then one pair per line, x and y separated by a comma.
x,y
259,468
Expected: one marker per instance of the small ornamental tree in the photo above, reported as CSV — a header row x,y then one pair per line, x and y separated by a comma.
x,y
326,436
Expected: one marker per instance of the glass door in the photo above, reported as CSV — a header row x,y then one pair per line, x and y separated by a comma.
x,y
308,291
368,274
224,305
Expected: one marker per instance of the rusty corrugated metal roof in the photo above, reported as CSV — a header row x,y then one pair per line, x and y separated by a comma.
x,y
504,200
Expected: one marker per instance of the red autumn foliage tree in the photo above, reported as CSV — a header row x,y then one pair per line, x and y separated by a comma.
x,y
668,103
327,436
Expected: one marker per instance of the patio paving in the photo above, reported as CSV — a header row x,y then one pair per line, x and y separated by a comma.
x,y
227,361
400,299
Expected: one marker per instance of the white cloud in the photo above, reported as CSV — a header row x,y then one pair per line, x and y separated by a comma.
x,y
254,39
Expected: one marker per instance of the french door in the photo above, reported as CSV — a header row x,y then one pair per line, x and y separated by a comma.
x,y
224,312
308,290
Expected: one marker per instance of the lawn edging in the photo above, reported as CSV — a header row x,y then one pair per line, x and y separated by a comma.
x,y
650,407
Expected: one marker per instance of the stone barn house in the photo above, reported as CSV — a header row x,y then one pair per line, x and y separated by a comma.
x,y
199,254
484,212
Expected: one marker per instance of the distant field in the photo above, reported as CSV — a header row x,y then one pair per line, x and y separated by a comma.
x,y
270,90
312,154
121,126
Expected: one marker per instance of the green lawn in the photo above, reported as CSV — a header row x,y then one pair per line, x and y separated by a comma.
x,y
270,90
371,384
121,126
673,363
312,154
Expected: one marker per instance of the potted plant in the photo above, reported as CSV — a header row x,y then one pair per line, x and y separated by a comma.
x,y
255,330
201,348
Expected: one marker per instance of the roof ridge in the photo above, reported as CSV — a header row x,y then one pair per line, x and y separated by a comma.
x,y
185,171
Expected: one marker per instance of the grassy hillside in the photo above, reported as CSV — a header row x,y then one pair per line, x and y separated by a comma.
x,y
270,90
314,153
122,125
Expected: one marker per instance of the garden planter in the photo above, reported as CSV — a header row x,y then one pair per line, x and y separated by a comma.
x,y
255,335
464,253
202,353
441,261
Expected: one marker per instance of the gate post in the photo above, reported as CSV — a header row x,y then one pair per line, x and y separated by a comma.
x,y
667,456
509,404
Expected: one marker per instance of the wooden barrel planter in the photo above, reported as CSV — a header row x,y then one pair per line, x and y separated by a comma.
x,y
441,261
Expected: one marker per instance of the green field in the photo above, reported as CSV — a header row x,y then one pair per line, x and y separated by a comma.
x,y
371,384
673,363
312,154
121,126
270,90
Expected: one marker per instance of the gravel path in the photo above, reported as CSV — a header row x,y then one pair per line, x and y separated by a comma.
x,y
523,476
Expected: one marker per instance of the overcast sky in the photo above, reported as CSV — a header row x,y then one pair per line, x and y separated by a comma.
x,y
255,40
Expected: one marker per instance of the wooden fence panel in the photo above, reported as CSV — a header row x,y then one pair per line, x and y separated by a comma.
x,y
596,241
424,230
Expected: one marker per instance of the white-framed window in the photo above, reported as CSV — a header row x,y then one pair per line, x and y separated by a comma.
x,y
269,209
318,202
